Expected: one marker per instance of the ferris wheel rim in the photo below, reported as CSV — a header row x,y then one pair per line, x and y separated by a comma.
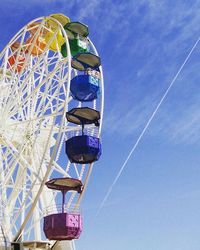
x,y
100,128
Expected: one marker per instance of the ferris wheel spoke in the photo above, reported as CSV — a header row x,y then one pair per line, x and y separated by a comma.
x,y
59,109
19,182
18,159
37,64
29,231
76,170
15,228
25,204
31,46
52,98
48,105
57,168
70,202
17,216
39,105
47,199
12,168
27,59
56,98
14,194
41,117
3,193
14,109
37,227
30,228
17,51
51,201
5,155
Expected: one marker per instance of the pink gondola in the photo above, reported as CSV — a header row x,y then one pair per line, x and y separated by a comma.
x,y
63,225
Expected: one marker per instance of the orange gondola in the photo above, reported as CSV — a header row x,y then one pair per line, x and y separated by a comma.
x,y
17,66
35,46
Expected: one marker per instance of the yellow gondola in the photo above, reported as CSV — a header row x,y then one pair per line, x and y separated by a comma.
x,y
62,19
59,40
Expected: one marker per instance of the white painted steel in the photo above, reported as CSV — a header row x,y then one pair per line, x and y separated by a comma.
x,y
64,245
33,129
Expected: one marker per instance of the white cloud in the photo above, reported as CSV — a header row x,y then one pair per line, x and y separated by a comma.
x,y
183,128
128,120
161,54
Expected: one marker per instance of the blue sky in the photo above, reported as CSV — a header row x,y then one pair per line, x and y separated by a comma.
x,y
155,205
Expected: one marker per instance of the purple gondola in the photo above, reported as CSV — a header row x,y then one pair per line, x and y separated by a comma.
x,y
83,149
63,225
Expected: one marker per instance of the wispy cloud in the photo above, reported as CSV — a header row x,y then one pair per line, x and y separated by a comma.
x,y
178,119
127,120
162,43
183,126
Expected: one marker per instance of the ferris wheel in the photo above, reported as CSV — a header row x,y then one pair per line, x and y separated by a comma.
x,y
51,107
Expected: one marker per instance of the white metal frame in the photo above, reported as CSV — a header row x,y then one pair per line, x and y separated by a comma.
x,y
33,129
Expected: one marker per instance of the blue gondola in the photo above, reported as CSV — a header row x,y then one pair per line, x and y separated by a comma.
x,y
83,149
85,88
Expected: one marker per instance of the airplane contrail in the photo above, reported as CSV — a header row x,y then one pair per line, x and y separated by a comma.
x,y
144,129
